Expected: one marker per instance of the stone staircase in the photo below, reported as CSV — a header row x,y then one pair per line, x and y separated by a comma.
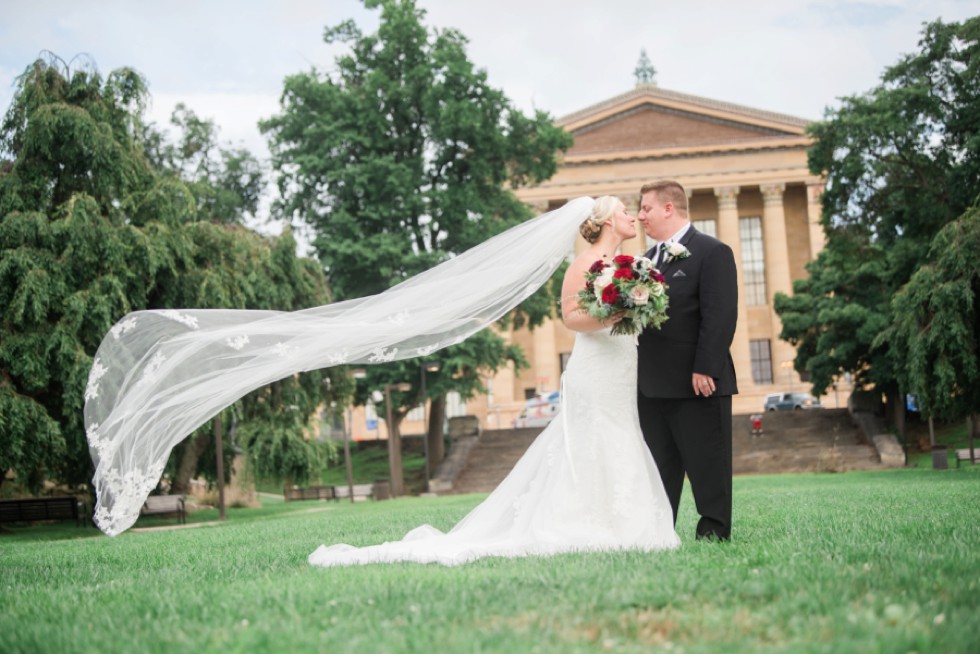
x,y
824,440
494,455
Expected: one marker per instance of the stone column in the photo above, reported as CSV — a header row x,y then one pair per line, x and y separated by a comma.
x,y
504,392
778,278
814,208
728,233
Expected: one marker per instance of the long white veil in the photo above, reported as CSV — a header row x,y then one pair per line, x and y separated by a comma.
x,y
159,375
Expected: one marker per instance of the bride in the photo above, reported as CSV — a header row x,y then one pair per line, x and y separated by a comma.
x,y
588,482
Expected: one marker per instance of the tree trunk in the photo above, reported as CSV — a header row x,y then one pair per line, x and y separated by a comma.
x,y
393,422
188,462
437,416
896,407
971,432
220,461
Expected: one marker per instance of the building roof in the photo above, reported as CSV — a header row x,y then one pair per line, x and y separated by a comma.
x,y
653,94
652,122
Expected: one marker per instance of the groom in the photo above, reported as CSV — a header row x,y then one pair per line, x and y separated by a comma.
x,y
686,375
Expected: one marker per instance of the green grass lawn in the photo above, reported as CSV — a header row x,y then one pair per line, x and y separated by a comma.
x,y
857,562
953,436
369,462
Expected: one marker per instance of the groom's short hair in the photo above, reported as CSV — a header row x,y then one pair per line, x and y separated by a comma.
x,y
668,191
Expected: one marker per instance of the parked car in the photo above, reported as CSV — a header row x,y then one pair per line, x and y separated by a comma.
x,y
791,402
539,410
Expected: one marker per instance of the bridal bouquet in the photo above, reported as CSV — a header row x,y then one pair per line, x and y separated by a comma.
x,y
630,285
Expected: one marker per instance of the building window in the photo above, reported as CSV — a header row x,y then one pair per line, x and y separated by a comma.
x,y
709,227
753,261
761,361
530,393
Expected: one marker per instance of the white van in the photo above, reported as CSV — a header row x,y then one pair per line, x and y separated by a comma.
x,y
539,410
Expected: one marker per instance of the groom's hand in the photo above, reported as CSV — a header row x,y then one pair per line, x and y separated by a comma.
x,y
702,384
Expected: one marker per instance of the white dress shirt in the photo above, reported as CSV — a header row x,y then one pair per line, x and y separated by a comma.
x,y
678,235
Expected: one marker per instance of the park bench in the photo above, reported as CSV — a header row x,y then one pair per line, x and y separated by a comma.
x,y
379,490
64,507
361,492
308,493
964,455
158,504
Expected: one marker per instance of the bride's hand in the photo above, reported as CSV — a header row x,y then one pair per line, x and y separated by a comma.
x,y
613,319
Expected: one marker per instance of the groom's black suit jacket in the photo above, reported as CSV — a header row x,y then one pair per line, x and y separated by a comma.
x,y
702,311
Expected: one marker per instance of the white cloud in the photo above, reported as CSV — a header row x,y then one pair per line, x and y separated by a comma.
x,y
227,59
236,114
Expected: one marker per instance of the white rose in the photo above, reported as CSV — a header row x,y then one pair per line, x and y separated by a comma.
x,y
656,289
602,281
640,295
676,249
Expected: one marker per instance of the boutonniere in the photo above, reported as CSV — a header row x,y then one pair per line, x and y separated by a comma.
x,y
677,251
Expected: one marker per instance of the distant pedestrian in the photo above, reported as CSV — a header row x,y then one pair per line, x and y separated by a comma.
x,y
756,425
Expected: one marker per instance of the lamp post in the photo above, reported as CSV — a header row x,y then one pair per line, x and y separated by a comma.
x,y
432,366
220,464
348,435
394,442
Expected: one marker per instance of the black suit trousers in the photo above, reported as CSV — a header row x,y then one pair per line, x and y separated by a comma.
x,y
693,436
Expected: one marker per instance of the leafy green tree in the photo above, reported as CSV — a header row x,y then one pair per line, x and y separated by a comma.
x,y
224,265
228,266
70,261
936,337
91,229
400,158
901,161
226,182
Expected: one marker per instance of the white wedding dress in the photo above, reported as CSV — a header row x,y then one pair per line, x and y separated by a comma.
x,y
587,483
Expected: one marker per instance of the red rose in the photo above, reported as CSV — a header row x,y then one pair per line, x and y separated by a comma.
x,y
610,294
624,273
597,266
658,276
623,260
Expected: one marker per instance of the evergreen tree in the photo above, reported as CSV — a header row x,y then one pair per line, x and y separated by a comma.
x,y
92,228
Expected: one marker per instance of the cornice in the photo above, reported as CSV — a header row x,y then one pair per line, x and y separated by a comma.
x,y
741,178
769,143
681,102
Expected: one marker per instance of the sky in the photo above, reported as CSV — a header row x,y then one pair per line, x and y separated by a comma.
x,y
226,59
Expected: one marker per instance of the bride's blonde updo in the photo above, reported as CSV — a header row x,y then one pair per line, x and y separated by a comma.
x,y
602,211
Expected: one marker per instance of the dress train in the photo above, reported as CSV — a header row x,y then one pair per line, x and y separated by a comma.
x,y
586,483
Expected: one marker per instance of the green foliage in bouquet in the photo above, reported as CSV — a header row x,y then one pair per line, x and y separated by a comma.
x,y
631,286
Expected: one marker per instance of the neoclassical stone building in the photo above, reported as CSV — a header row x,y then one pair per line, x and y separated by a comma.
x,y
746,174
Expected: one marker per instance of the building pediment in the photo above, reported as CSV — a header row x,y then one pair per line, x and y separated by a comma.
x,y
649,119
